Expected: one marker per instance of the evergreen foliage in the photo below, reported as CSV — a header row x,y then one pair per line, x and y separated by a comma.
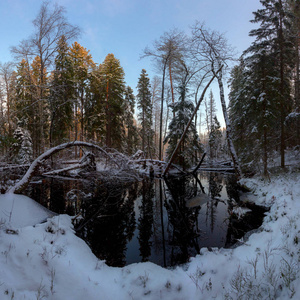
x,y
132,138
144,106
62,95
57,93
112,91
82,64
183,110
22,152
215,139
260,96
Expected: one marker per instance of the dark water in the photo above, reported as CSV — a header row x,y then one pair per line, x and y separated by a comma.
x,y
162,221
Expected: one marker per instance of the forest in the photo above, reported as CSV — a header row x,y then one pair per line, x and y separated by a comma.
x,y
55,93
111,191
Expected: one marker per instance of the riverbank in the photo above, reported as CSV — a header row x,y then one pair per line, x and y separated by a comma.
x,y
48,261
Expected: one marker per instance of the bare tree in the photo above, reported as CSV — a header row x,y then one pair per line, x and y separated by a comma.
x,y
165,52
50,25
212,47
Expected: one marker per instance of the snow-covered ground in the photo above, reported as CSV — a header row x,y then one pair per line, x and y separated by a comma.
x,y
48,261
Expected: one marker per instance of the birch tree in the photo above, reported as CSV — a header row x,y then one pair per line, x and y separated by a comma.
x,y
212,47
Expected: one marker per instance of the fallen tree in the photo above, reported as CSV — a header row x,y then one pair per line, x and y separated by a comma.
x,y
23,183
121,166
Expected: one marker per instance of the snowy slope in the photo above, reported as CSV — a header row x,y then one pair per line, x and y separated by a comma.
x,y
48,261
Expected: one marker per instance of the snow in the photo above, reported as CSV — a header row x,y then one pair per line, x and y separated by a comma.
x,y
240,211
20,211
48,261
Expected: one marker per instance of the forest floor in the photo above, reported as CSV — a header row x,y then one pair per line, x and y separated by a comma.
x,y
48,261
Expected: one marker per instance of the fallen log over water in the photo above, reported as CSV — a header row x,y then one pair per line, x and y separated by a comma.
x,y
23,183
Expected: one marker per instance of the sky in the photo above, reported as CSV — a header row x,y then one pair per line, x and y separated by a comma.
x,y
126,27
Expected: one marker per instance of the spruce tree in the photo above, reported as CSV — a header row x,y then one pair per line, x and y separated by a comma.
x,y
274,47
112,92
40,93
239,104
23,102
62,95
215,137
22,152
183,110
131,139
145,113
83,64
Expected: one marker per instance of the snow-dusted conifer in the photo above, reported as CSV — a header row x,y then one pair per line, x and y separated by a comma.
x,y
22,147
145,113
183,110
215,138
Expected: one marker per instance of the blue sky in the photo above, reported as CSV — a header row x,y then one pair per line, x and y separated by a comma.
x,y
126,27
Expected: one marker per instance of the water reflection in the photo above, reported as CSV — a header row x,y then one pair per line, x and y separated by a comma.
x,y
165,222
145,220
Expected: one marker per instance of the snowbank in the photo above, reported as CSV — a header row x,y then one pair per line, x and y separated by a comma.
x,y
21,211
48,261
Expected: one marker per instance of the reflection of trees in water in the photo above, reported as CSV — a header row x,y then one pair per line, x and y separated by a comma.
x,y
110,222
146,219
182,220
215,187
157,228
60,196
232,188
57,196
159,220
40,193
168,231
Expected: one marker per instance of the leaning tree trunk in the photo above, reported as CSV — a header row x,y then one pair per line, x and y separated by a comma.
x,y
232,151
160,156
189,123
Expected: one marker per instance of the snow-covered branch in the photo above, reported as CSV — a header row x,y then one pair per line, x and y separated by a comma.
x,y
22,184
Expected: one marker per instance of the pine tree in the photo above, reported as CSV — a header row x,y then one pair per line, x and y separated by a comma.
x,y
144,105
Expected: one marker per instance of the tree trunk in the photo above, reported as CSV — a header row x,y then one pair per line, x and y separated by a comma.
x,y
108,121
171,85
22,184
282,108
189,123
232,151
161,112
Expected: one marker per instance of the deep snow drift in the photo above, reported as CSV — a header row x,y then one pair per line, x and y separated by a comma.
x,y
48,261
